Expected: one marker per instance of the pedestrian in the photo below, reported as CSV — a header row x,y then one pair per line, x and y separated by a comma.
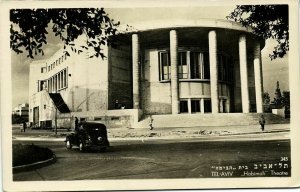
x,y
24,126
76,123
262,122
151,123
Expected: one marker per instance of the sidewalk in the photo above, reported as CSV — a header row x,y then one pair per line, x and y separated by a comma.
x,y
159,133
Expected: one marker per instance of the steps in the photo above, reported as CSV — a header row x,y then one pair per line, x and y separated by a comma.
x,y
200,120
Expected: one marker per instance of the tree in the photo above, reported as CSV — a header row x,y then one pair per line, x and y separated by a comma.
x,y
268,21
286,99
278,97
266,98
30,26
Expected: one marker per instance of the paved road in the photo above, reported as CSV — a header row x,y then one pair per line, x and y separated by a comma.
x,y
164,159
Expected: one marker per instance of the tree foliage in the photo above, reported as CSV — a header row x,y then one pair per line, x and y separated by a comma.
x,y
268,21
29,29
266,98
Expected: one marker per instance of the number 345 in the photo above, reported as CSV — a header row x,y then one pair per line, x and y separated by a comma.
x,y
284,158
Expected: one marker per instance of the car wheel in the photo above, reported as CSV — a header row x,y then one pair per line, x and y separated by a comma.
x,y
81,146
68,144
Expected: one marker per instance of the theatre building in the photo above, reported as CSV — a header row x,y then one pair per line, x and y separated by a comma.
x,y
183,69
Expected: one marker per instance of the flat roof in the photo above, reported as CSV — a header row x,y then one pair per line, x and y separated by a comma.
x,y
183,23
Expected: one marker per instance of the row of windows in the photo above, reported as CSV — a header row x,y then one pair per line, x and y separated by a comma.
x,y
194,106
194,65
56,82
52,65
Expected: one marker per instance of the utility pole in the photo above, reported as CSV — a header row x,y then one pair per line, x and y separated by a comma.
x,y
55,120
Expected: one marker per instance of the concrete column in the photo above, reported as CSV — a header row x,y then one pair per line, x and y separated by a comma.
x,y
174,71
202,106
244,74
258,79
189,106
212,40
135,71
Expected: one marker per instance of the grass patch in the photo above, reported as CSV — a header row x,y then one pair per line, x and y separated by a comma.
x,y
28,154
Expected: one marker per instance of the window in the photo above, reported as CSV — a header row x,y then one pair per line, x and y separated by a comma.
x,y
42,85
184,106
224,70
65,78
182,66
199,65
207,105
164,60
194,65
58,81
195,106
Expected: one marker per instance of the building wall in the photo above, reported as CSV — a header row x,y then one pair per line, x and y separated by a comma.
x,y
85,90
120,77
155,96
88,82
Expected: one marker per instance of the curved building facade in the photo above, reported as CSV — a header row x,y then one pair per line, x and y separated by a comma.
x,y
206,66
169,67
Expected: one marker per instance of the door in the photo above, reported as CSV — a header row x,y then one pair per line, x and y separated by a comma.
x,y
35,115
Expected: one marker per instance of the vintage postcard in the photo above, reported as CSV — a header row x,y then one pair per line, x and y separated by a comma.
x,y
149,95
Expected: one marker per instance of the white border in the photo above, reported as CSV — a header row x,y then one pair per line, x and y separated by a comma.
x,y
145,184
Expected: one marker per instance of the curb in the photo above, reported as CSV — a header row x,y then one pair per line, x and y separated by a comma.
x,y
36,165
153,138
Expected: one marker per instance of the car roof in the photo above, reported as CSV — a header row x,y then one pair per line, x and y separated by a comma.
x,y
87,124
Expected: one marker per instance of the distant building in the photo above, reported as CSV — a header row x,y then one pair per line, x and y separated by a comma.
x,y
22,110
182,67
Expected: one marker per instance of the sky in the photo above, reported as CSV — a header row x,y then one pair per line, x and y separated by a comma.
x,y
273,71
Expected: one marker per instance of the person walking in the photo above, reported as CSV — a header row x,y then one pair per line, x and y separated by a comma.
x,y
262,122
76,123
151,123
24,126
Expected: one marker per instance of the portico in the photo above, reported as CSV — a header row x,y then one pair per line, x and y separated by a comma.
x,y
243,51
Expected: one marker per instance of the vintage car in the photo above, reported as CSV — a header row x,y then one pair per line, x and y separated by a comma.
x,y
90,135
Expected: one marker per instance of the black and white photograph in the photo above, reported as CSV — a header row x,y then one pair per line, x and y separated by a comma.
x,y
128,95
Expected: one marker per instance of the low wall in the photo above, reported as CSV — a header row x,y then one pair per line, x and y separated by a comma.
x,y
279,112
121,118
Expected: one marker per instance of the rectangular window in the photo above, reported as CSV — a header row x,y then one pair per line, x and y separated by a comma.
x,y
61,79
65,78
184,106
182,65
196,65
207,105
164,62
199,63
55,83
195,106
224,68
206,65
